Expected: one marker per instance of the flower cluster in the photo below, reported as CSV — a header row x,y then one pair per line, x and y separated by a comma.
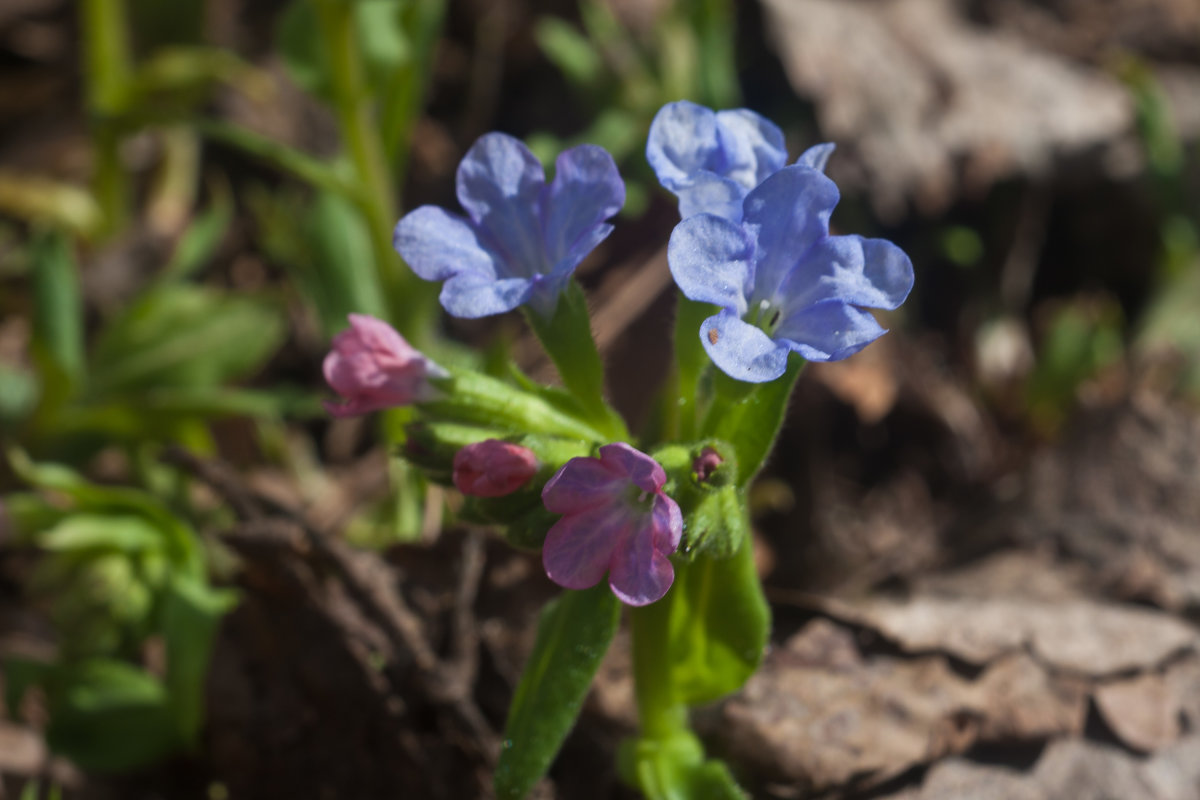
x,y
754,240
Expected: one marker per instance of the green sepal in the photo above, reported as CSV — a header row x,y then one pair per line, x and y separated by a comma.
x,y
719,625
675,769
714,513
574,633
528,531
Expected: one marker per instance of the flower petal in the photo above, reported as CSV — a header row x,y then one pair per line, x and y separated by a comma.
x,y
639,573
709,193
499,184
817,156
753,147
470,295
682,141
437,244
787,214
741,350
642,470
709,259
565,266
581,484
587,189
579,547
863,272
668,524
829,331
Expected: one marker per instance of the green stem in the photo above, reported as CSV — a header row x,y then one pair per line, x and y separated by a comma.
x,y
566,337
107,72
376,195
661,715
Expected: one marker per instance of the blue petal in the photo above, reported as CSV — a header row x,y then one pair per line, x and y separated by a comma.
x,y
500,184
709,259
587,189
787,214
565,266
816,157
829,331
437,244
470,295
752,145
741,350
863,272
709,193
682,141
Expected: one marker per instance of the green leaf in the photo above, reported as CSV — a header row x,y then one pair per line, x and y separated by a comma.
x,y
99,532
720,624
713,781
574,632
570,50
343,278
750,416
192,613
18,394
201,240
58,303
108,716
299,164
183,336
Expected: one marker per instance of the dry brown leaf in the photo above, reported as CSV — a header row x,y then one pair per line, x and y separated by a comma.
x,y
1081,636
1142,711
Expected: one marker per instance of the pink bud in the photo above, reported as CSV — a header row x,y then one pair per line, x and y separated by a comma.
x,y
704,465
493,468
373,367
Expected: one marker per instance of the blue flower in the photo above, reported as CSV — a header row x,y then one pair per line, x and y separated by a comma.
x,y
521,239
784,283
711,160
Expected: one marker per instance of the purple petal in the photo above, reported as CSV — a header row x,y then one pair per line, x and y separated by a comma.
x,y
682,141
668,524
579,547
862,272
709,193
581,484
788,213
829,331
637,467
709,259
741,350
817,156
587,189
753,147
639,573
437,244
470,295
499,184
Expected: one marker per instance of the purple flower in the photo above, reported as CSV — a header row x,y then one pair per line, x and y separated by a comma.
x,y
373,367
711,160
616,519
521,239
785,284
493,468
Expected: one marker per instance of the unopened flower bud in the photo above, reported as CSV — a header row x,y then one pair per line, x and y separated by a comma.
x,y
373,367
493,468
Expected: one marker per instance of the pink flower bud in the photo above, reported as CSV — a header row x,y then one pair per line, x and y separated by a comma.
x,y
704,465
493,468
373,367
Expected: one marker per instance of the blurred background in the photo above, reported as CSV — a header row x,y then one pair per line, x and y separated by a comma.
x,y
980,535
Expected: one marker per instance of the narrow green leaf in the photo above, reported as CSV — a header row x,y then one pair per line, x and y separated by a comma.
x,y
201,240
192,612
58,302
569,49
114,532
292,161
720,625
574,632
344,278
